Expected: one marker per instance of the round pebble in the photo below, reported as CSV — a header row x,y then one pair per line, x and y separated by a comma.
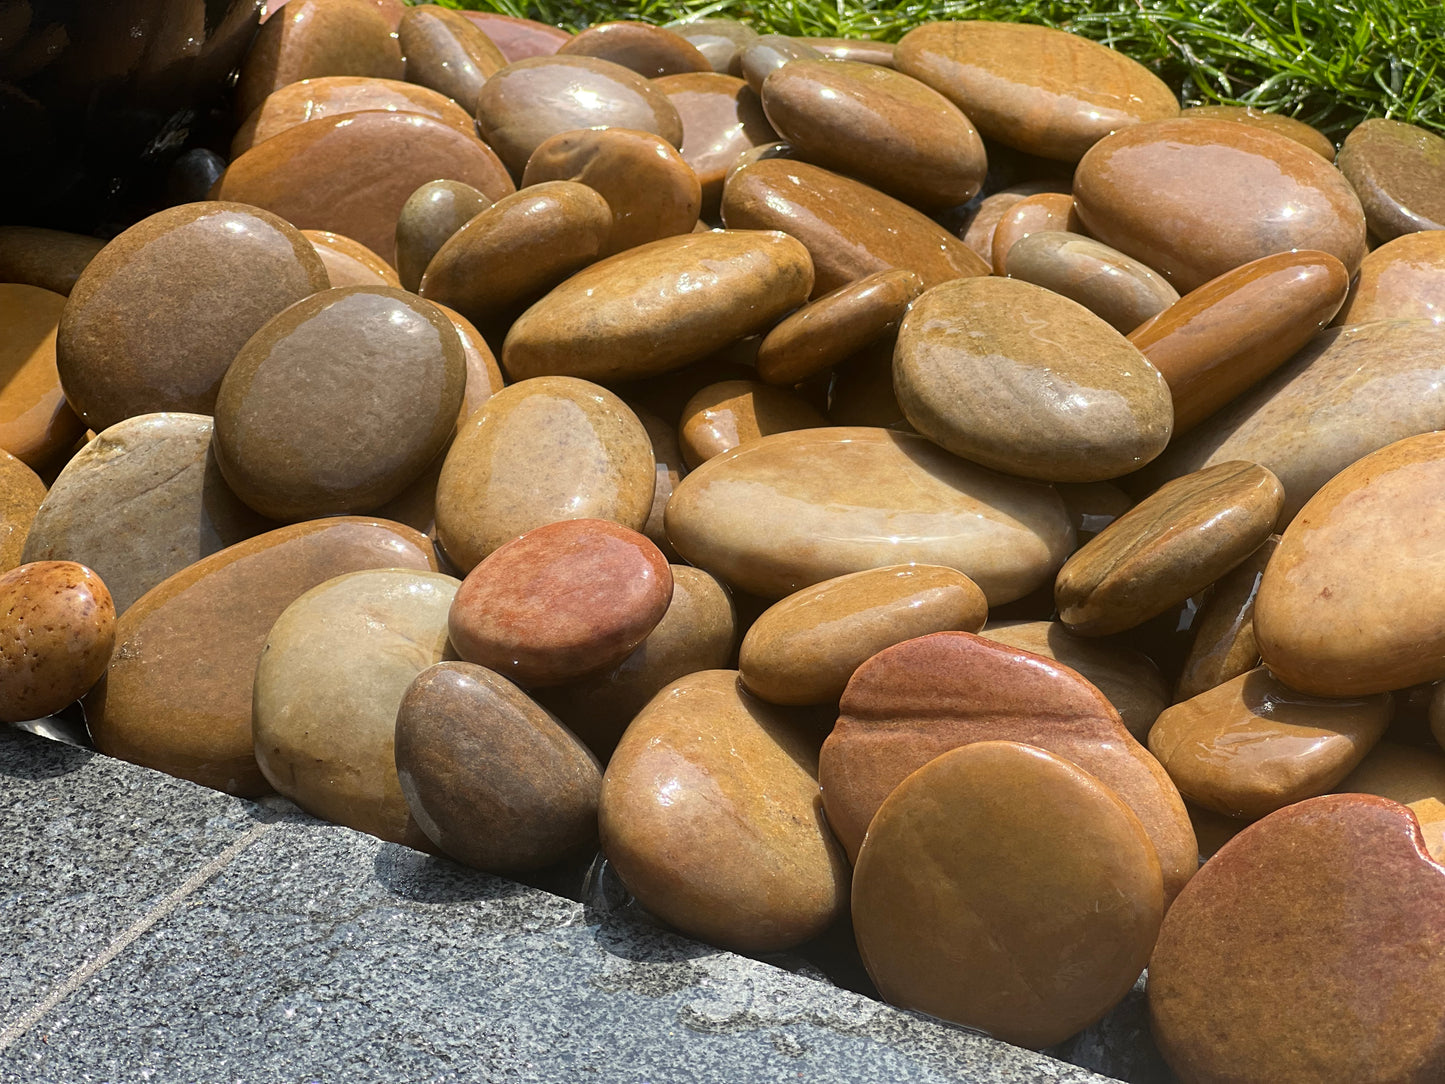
x,y
1402,278
350,263
57,629
650,51
1397,169
721,118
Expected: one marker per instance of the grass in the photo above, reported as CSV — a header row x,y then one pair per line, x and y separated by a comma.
x,y
1330,63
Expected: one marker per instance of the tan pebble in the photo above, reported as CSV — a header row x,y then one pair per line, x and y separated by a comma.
x,y
768,53
1298,130
1413,777
56,636
1120,291
724,416
1402,278
447,52
721,118
650,51
1224,645
49,259
861,50
350,263
36,423
21,493
719,40
427,220
1051,212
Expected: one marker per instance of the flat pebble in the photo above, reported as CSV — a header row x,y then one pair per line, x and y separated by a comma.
x,y
1402,278
721,417
56,636
861,50
719,40
517,38
36,423
1397,169
1303,134
49,259
1120,291
769,52
1051,212
1412,776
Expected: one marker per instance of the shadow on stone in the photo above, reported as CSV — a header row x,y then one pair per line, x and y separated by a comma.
x,y
27,753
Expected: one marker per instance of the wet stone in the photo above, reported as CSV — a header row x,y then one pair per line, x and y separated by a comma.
x,y
650,51
49,259
1224,644
768,53
1398,170
719,40
21,493
1402,278
350,263
517,38
1412,776
446,52
1299,131
36,423
57,629
721,118
725,416
428,219
1043,211
1120,291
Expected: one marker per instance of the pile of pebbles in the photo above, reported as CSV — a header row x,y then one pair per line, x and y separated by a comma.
x,y
944,487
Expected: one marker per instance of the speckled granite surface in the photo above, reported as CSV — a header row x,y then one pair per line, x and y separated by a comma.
x,y
151,930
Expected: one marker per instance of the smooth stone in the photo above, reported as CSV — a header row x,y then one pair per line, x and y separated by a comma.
x,y
492,778
804,649
670,470
1222,338
698,632
860,50
1224,645
353,173
536,452
447,53
980,228
1397,169
339,403
650,51
49,259
36,424
1003,888
1349,604
721,118
1120,291
1253,745
350,263
1051,212
513,252
1303,134
1310,948
561,601
725,416
768,53
836,326
1171,545
657,307
1128,679
790,510
139,503
917,700
1402,278
336,95
652,191
56,636
1414,778
517,38
1093,506
883,127
1043,91
428,219
709,815
719,40
484,375
1196,198
850,230
178,694
157,317
317,37
1347,393
332,675
21,494
530,100
1077,402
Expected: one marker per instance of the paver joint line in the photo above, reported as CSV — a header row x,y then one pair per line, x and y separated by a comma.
x,y
83,974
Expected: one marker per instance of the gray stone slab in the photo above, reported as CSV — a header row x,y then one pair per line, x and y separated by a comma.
x,y
298,951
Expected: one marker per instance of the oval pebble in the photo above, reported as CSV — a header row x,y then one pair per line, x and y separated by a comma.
x,y
57,629
21,494
1402,278
1120,291
1397,169
725,416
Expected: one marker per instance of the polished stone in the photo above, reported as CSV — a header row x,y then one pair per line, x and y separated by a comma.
x,y
49,259
1224,645
349,262
721,417
447,52
428,218
1051,212
650,51
21,494
1303,134
721,118
1400,279
1398,170
36,423
1120,291
56,636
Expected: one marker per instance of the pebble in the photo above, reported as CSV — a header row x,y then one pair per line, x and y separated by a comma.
x,y
350,263
804,649
1253,745
698,632
725,416
530,100
1365,546
849,229
1171,545
428,219
178,694
879,126
1093,506
837,325
855,49
1003,888
709,817
1402,278
447,52
1347,393
339,403
721,118
139,503
652,192
670,469
49,259
769,52
1195,198
1039,90
56,636
917,700
540,451
1224,337
484,375
1224,644
317,37
563,600
490,776
660,306
1414,777
1051,212
720,40
1082,404
980,227
1397,169
337,95
157,317
1129,679
517,38
21,494
1298,130
650,51
787,511
510,254
1120,291
36,424
1331,914
353,173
